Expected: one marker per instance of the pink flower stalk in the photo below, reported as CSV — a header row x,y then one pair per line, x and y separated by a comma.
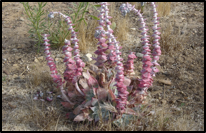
x,y
111,57
104,18
100,34
51,63
114,57
121,88
112,40
156,51
69,73
146,78
53,70
129,65
79,63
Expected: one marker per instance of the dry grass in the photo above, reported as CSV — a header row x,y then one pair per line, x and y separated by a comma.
x,y
90,30
50,116
122,29
172,40
122,25
39,75
163,8
86,33
83,44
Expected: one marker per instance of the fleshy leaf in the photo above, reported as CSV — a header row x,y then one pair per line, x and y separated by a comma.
x,y
93,68
84,84
109,107
94,101
92,108
111,95
80,117
77,110
85,75
91,81
71,94
88,103
102,94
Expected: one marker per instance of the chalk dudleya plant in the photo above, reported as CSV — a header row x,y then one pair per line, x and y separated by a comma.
x,y
108,87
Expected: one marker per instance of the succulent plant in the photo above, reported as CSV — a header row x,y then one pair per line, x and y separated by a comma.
x,y
108,89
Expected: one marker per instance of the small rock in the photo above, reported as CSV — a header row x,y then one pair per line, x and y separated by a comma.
x,y
14,49
182,93
137,45
167,82
88,55
154,100
15,65
40,58
152,112
182,18
169,60
3,91
14,76
60,56
139,55
163,101
36,60
21,19
195,31
12,105
172,101
21,46
3,113
17,58
175,108
6,71
134,29
186,98
85,59
157,100
58,60
93,67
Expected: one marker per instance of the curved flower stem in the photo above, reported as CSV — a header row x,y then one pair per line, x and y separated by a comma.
x,y
114,57
78,89
156,51
52,66
147,71
79,63
64,96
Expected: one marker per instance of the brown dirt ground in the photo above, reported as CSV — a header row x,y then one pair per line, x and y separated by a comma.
x,y
184,67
